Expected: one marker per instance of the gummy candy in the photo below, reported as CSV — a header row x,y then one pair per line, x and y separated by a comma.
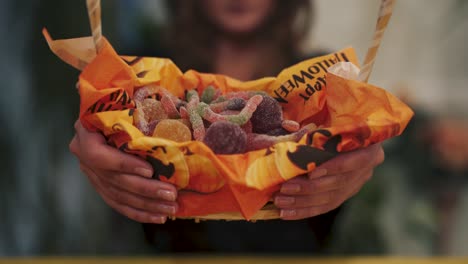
x,y
140,122
290,125
198,126
225,138
152,109
224,122
231,104
238,119
169,106
183,112
209,94
173,130
268,116
144,92
246,95
247,127
259,141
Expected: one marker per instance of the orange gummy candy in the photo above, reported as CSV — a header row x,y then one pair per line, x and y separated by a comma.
x,y
173,130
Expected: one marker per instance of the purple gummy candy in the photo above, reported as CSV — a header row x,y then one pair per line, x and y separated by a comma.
x,y
225,138
236,104
267,117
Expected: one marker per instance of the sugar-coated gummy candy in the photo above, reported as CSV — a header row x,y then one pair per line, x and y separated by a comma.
x,y
290,125
208,94
169,106
153,109
247,127
235,104
225,138
173,130
267,116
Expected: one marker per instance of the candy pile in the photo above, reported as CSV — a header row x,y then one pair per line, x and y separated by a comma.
x,y
232,123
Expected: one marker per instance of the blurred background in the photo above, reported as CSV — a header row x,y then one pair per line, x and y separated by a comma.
x,y
416,203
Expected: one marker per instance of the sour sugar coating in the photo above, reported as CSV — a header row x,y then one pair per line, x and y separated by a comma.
x,y
173,130
176,101
146,91
185,122
192,94
169,106
246,95
225,138
152,109
260,141
268,115
151,126
209,94
198,126
219,99
183,112
235,104
139,120
247,127
231,104
141,93
238,119
290,125
247,111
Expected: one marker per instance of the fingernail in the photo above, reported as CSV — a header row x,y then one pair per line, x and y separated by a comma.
x,y
158,219
144,172
288,213
167,195
168,209
318,172
284,200
290,188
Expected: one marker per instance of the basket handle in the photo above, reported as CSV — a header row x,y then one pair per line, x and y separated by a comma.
x,y
385,13
94,14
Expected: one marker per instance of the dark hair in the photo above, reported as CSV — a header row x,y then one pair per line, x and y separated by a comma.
x,y
189,35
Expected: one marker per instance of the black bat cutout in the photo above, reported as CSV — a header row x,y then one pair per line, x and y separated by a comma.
x,y
306,154
160,169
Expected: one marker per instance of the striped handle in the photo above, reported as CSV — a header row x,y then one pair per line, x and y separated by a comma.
x,y
94,13
385,13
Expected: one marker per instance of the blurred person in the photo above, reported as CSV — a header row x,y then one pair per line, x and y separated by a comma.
x,y
246,40
449,141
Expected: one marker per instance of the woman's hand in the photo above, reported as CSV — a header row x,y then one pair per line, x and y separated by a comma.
x,y
329,185
123,181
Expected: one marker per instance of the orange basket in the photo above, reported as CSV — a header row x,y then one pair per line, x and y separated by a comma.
x,y
351,114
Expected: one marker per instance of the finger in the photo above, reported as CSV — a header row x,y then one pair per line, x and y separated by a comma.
x,y
95,153
301,213
149,188
306,186
323,198
366,157
135,214
291,202
132,213
139,202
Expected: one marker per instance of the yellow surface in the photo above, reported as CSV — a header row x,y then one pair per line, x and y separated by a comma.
x,y
234,260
